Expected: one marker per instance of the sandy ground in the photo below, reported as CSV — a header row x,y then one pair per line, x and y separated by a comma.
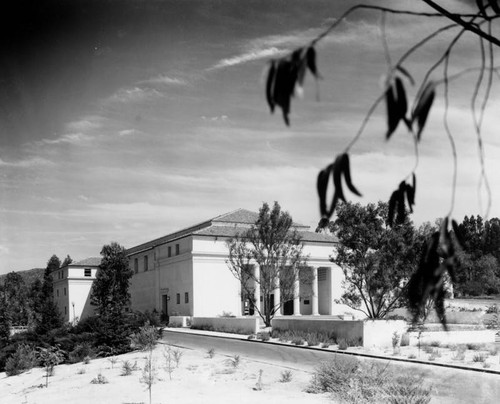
x,y
198,379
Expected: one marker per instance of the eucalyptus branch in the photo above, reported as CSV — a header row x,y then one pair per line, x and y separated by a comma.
x,y
449,134
468,26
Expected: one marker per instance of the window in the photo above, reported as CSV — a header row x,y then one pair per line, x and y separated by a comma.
x,y
145,263
186,297
136,265
65,310
64,291
169,251
88,272
178,298
57,292
177,249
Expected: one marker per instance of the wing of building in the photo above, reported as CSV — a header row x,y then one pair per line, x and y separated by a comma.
x,y
186,273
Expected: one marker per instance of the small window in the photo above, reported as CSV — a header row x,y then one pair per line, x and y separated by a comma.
x,y
88,272
186,297
177,249
306,301
64,291
57,292
65,310
136,265
169,251
178,298
145,263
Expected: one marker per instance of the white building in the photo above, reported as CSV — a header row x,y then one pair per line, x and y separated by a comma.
x,y
72,287
185,273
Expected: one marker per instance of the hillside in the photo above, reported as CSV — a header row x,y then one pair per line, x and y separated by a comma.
x,y
28,276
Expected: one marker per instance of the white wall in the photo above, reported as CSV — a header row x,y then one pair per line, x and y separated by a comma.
x,y
79,294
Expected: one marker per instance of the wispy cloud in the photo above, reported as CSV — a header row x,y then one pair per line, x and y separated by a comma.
x,y
249,56
27,163
166,80
71,138
134,94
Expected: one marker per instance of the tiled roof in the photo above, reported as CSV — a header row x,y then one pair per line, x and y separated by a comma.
x,y
91,262
239,219
231,231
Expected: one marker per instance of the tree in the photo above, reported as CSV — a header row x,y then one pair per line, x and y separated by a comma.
x,y
111,296
68,260
286,76
376,260
47,312
268,258
16,299
4,321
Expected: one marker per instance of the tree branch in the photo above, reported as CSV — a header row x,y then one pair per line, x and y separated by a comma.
x,y
467,26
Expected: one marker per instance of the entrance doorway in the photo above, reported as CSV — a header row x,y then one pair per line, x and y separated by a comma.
x,y
288,308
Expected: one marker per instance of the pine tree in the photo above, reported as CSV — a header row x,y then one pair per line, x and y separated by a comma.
x,y
49,315
4,320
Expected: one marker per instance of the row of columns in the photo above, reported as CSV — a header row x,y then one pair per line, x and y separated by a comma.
x,y
296,300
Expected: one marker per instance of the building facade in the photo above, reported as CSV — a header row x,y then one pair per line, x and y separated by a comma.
x,y
72,287
186,273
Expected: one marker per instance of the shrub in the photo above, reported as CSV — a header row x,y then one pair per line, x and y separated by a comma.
x,y
474,347
297,341
312,338
492,309
264,336
211,353
479,357
23,359
286,376
333,375
49,358
343,345
80,352
408,390
177,353
128,368
412,356
325,345
145,338
100,379
493,350
234,361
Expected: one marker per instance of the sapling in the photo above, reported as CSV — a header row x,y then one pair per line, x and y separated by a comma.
x,y
50,357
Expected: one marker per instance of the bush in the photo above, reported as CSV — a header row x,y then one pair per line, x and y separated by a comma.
x,y
405,339
81,351
297,341
264,336
145,338
128,368
334,375
23,359
479,358
343,345
312,338
350,381
286,376
100,379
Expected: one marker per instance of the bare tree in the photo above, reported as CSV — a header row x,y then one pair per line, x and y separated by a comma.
x,y
268,261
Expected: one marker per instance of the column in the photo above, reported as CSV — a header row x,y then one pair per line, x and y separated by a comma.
x,y
277,297
314,299
296,297
256,293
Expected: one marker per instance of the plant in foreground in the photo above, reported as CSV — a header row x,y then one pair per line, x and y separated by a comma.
x,y
100,379
49,358
286,376
211,353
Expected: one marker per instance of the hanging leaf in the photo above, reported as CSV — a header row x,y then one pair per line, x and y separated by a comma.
x,y
299,60
311,62
397,202
392,207
397,105
286,76
410,194
271,76
322,186
337,178
494,6
340,167
347,174
423,107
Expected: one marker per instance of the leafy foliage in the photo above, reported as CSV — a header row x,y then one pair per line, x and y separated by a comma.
x,y
273,246
376,260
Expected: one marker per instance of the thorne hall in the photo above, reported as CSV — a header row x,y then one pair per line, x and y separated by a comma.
x,y
186,273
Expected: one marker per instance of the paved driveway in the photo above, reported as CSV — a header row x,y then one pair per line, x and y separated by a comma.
x,y
450,385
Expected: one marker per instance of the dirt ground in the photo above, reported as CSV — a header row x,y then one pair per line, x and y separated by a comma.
x,y
197,379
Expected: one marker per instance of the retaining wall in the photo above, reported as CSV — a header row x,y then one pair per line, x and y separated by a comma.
x,y
179,321
365,333
248,325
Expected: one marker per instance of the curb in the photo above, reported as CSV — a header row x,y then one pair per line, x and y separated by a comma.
x,y
336,351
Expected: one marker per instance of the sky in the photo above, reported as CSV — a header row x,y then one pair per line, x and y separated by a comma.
x,y
127,120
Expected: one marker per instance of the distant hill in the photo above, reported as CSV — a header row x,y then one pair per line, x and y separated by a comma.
x,y
28,276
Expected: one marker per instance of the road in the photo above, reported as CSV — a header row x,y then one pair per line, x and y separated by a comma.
x,y
451,386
